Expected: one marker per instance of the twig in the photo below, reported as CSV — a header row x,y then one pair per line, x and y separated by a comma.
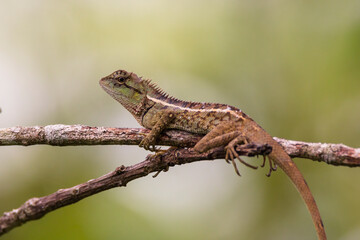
x,y
334,154
36,208
72,135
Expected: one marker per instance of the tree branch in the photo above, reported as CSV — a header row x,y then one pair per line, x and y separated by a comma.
x,y
71,135
36,208
74,135
334,154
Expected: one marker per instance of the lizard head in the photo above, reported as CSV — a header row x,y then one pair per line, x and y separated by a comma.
x,y
126,88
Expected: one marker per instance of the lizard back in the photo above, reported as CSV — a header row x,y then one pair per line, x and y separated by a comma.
x,y
194,117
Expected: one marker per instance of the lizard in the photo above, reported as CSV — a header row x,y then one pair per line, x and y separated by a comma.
x,y
223,126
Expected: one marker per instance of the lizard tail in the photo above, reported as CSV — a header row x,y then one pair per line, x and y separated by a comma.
x,y
283,160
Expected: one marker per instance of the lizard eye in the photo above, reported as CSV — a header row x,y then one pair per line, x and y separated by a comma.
x,y
121,79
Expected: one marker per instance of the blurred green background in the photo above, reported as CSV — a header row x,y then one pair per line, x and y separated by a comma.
x,y
294,66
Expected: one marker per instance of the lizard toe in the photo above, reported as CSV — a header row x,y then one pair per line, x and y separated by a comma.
x,y
233,154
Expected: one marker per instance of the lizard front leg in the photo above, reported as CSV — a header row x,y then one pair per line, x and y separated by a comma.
x,y
163,121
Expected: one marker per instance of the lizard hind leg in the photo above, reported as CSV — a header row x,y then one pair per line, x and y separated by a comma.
x,y
224,134
219,136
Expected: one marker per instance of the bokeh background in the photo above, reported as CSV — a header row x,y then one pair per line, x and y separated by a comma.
x,y
294,66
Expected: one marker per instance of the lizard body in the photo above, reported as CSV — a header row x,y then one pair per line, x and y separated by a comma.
x,y
223,125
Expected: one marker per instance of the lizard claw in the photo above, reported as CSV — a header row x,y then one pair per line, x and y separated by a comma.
x,y
143,143
272,166
153,148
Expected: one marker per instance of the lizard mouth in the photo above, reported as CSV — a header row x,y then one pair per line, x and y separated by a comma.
x,y
104,85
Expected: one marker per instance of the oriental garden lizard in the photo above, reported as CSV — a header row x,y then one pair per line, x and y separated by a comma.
x,y
222,125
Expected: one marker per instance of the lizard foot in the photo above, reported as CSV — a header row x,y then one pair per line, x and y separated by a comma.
x,y
158,172
231,154
272,166
159,151
148,143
